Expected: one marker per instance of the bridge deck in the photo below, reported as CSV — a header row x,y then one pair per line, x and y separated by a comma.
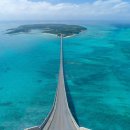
x,y
60,118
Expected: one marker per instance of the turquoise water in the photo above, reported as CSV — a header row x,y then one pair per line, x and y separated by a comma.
x,y
97,71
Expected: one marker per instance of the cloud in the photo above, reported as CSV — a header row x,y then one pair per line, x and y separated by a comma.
x,y
41,10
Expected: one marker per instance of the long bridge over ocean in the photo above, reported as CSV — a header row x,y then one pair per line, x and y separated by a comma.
x,y
60,117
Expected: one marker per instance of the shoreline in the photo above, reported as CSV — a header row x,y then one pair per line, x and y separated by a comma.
x,y
59,36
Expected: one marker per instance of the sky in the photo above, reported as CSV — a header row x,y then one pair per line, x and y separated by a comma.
x,y
117,10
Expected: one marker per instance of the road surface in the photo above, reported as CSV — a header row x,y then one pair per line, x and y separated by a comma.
x,y
60,118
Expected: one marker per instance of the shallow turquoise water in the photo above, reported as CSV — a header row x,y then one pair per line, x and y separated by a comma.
x,y
97,71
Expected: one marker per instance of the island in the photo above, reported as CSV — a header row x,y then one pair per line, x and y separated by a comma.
x,y
57,29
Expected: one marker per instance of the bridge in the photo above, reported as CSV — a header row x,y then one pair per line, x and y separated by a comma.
x,y
60,117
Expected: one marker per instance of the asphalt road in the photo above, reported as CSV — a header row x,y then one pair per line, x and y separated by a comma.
x,y
60,118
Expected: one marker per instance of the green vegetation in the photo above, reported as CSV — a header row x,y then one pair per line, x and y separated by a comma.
x,y
57,29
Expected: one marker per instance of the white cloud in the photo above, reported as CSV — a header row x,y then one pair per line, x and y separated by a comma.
x,y
28,10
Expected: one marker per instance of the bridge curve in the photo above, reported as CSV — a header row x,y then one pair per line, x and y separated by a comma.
x,y
60,117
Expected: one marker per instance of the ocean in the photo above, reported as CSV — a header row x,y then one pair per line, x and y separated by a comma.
x,y
97,75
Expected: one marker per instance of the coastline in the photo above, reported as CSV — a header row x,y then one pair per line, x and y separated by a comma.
x,y
58,36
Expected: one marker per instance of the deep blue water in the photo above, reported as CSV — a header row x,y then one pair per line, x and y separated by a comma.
x,y
97,71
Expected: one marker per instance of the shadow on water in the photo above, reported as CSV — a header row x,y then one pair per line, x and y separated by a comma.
x,y
70,102
69,97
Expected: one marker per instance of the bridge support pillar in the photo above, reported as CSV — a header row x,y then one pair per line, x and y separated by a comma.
x,y
82,128
33,128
